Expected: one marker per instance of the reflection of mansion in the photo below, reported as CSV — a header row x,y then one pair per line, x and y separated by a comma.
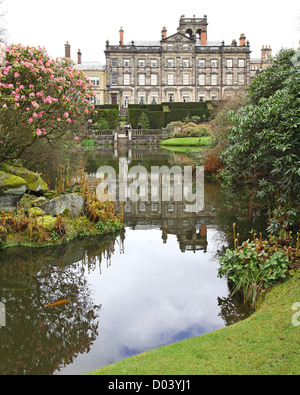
x,y
186,219
182,67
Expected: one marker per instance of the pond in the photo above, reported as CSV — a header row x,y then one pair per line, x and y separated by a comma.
x,y
154,284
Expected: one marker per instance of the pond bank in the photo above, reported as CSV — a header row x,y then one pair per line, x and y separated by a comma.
x,y
56,217
266,343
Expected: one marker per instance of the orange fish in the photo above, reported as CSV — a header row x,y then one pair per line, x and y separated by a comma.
x,y
58,303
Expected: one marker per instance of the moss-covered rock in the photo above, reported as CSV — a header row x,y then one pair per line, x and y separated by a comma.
x,y
34,181
12,188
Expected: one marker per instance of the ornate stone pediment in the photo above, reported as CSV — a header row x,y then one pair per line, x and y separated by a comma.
x,y
178,37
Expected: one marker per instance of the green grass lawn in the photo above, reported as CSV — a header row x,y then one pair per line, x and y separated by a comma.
x,y
187,141
180,148
266,343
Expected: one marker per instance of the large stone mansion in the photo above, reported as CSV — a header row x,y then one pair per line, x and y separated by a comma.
x,y
182,67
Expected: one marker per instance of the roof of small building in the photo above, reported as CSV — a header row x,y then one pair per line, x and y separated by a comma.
x,y
90,66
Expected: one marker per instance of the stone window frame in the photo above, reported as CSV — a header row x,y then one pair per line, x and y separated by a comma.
x,y
185,62
142,79
170,62
241,62
114,62
126,79
141,63
185,79
155,64
202,75
186,96
95,80
114,78
229,79
228,61
126,62
202,63
171,79
214,79
153,79
214,63
241,79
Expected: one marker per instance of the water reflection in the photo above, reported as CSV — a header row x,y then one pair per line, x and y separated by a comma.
x,y
38,338
154,284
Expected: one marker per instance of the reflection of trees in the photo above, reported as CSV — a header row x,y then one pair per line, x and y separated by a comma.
x,y
233,309
39,339
234,206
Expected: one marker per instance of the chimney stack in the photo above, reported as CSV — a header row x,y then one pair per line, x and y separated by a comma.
x,y
79,56
164,33
121,36
203,35
67,50
242,40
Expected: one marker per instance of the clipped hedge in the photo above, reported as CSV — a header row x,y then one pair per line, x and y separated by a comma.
x,y
160,115
109,113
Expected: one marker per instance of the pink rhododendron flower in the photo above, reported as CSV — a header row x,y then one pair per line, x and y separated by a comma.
x,y
30,120
76,138
66,115
38,132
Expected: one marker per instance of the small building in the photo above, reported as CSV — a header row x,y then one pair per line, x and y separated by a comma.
x,y
259,64
96,74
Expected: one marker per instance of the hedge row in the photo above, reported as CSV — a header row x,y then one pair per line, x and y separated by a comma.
x,y
109,113
160,115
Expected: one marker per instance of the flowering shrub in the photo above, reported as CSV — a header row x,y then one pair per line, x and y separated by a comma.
x,y
40,98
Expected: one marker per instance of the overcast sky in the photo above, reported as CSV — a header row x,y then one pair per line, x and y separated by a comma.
x,y
87,24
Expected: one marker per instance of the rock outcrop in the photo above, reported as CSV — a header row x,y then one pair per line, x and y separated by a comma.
x,y
14,182
12,188
72,202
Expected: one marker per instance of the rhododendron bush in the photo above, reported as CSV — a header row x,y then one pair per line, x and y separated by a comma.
x,y
40,98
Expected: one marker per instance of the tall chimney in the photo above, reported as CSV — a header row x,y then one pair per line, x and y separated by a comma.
x,y
242,40
164,33
203,35
79,56
121,36
67,50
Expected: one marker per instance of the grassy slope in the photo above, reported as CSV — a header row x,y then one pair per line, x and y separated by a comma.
x,y
265,343
187,141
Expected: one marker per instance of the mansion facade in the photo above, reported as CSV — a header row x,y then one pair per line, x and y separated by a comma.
x,y
181,67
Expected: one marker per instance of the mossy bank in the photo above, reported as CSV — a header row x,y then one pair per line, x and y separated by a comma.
x,y
42,217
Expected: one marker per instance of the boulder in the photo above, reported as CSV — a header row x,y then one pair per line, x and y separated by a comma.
x,y
12,188
72,202
34,182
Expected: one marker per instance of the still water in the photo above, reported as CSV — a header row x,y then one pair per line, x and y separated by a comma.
x,y
154,284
